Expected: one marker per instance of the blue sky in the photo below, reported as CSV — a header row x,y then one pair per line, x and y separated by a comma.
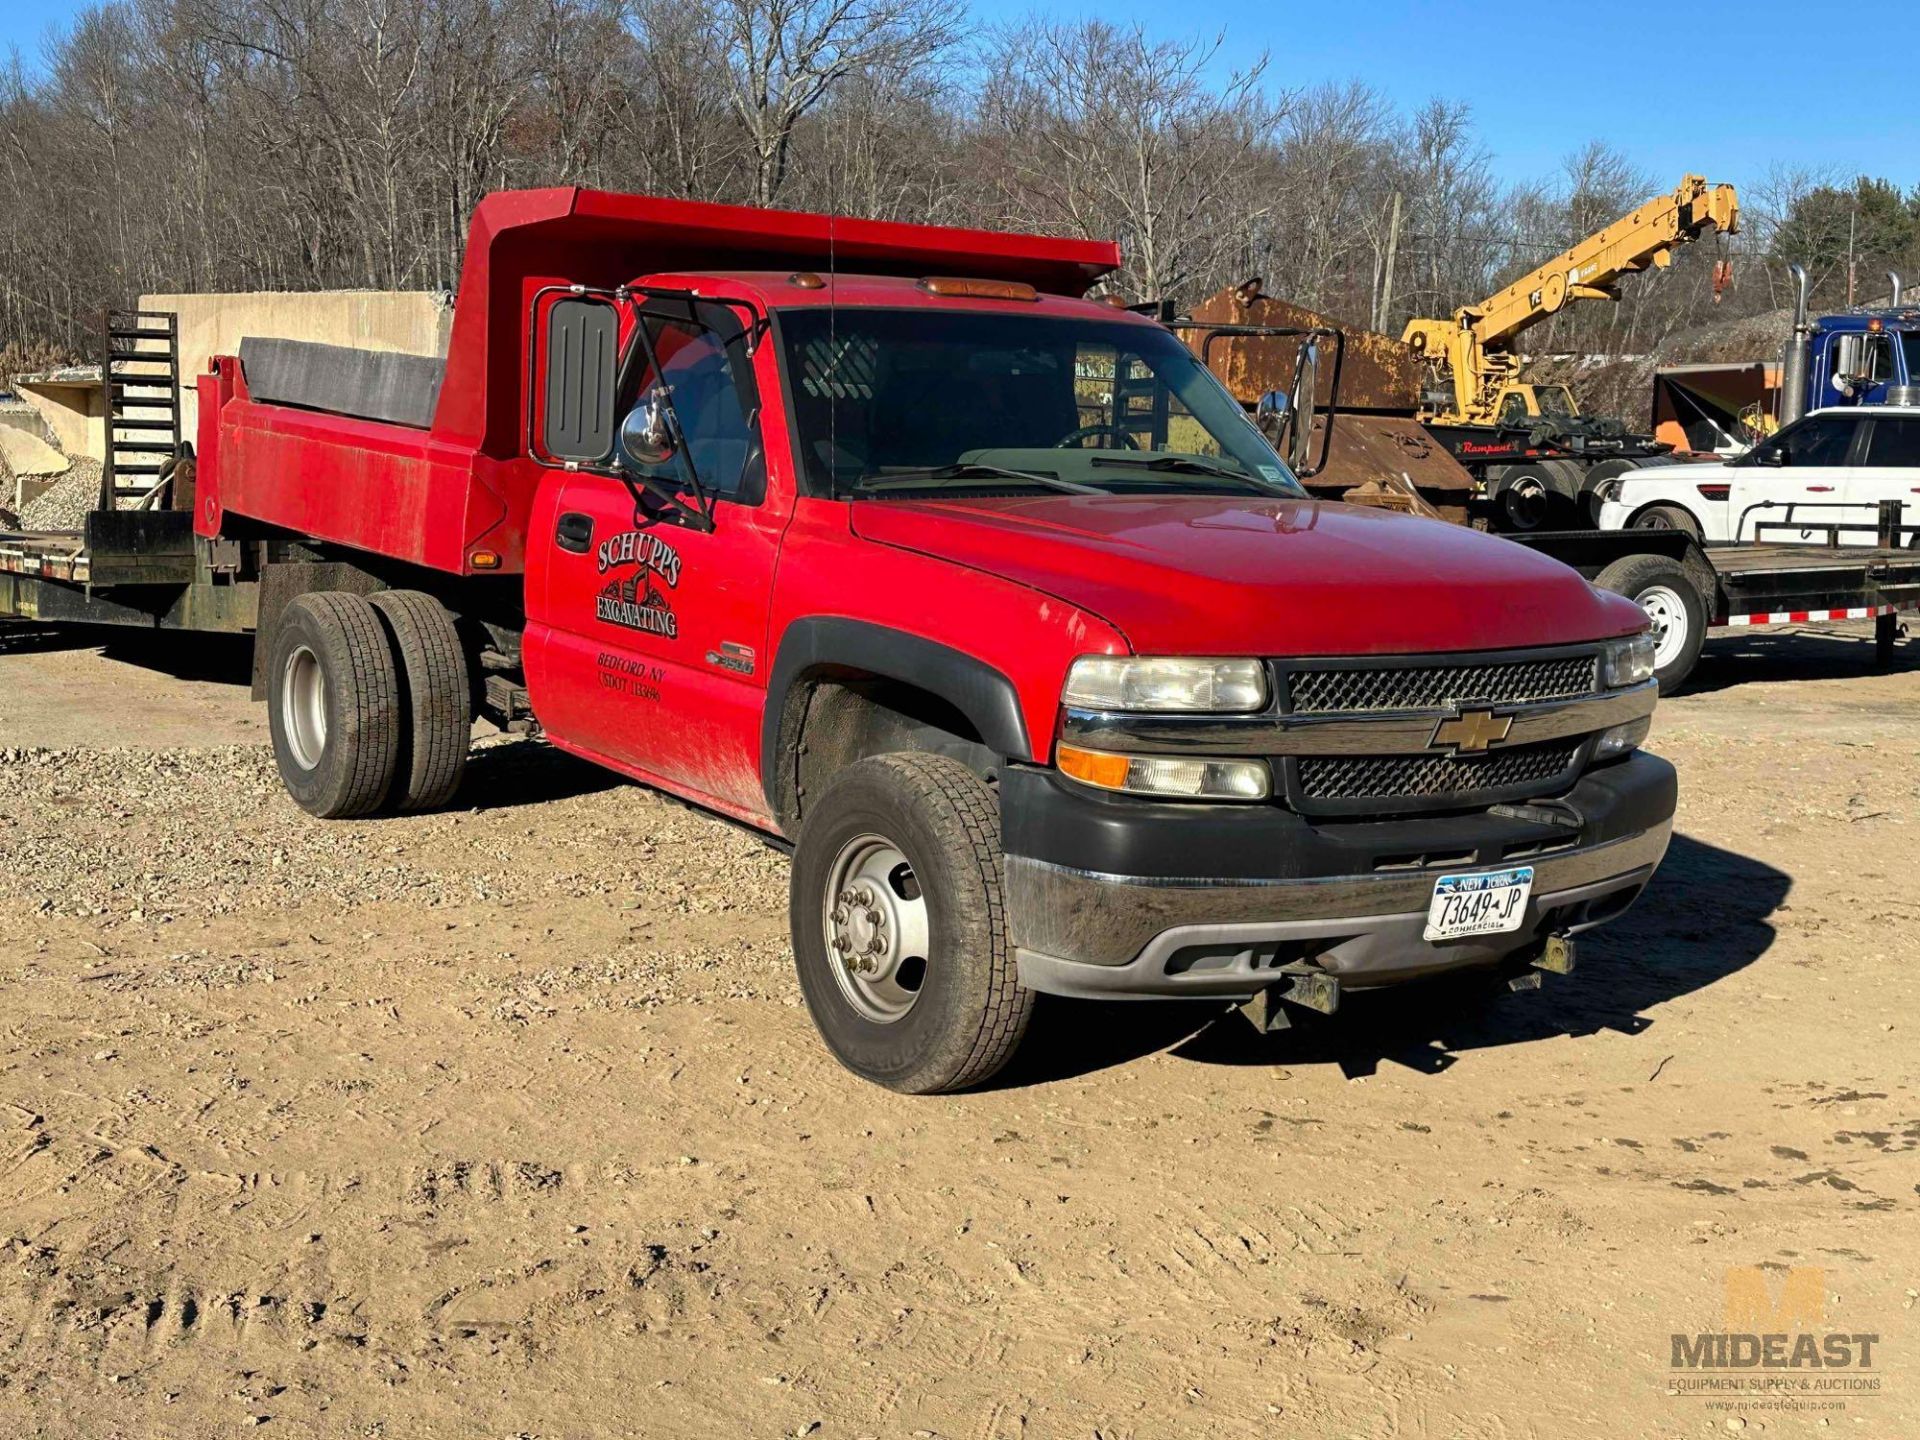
x,y
1693,85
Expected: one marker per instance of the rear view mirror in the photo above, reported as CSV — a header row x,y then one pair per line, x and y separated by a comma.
x,y
647,434
582,374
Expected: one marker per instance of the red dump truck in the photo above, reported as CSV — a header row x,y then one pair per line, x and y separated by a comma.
x,y
985,597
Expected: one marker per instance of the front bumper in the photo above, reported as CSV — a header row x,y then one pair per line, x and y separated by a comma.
x,y
1118,897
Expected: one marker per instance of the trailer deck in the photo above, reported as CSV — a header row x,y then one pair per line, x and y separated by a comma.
x,y
143,568
1798,584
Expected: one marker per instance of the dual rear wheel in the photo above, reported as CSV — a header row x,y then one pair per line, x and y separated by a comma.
x,y
368,702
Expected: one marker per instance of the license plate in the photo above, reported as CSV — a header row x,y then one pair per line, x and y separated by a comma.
x,y
1479,904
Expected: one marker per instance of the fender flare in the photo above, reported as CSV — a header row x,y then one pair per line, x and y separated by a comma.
x,y
820,646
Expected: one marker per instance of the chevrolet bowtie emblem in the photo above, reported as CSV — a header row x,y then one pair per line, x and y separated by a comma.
x,y
1471,733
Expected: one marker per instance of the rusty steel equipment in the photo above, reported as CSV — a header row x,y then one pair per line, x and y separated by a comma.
x,y
1375,451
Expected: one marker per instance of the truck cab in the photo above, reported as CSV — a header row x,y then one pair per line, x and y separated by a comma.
x,y
984,597
1521,406
1858,357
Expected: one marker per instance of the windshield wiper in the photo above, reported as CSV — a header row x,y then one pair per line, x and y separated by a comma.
x,y
1192,465
970,470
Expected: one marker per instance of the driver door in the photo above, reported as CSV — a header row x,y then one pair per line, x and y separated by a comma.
x,y
656,658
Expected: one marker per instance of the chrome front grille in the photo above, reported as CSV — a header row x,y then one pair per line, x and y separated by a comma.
x,y
1348,690
1385,779
1391,757
1367,738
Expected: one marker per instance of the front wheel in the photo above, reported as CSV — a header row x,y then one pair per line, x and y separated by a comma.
x,y
1675,611
1666,517
899,926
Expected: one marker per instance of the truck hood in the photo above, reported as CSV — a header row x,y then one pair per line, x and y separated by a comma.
x,y
1232,575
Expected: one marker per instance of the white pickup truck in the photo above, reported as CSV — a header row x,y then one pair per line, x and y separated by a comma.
x,y
1829,468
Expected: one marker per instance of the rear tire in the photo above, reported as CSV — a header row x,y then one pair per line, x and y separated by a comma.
x,y
1596,476
914,839
1525,503
333,705
1674,607
435,698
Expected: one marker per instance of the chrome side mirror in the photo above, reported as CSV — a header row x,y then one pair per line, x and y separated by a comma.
x,y
647,434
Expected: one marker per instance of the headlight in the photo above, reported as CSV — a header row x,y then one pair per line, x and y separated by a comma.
x,y
1166,775
1166,683
1622,738
1627,662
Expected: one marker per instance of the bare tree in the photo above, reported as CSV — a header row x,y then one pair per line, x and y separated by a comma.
x,y
1094,130
785,56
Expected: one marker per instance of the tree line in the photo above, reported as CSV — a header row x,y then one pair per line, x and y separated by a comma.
x,y
218,145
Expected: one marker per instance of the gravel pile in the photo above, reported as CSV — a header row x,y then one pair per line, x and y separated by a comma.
x,y
64,504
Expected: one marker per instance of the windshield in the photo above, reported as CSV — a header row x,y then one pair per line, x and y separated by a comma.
x,y
890,402
1910,346
1554,400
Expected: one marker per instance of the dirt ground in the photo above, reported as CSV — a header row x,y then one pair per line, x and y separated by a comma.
x,y
509,1121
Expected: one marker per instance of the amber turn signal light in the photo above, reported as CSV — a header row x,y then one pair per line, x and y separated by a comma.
x,y
954,288
1091,767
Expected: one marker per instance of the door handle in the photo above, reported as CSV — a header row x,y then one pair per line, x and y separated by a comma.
x,y
575,532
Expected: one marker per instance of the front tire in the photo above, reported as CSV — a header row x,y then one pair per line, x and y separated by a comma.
x,y
899,928
1666,517
333,705
1674,607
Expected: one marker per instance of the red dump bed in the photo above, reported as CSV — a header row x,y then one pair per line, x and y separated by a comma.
x,y
437,496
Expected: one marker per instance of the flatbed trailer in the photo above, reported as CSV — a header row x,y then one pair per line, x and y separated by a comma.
x,y
145,569
1689,589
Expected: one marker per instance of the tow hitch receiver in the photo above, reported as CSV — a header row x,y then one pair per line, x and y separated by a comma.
x,y
1316,991
1556,956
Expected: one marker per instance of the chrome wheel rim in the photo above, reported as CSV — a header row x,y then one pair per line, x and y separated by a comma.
x,y
303,704
874,918
1668,615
